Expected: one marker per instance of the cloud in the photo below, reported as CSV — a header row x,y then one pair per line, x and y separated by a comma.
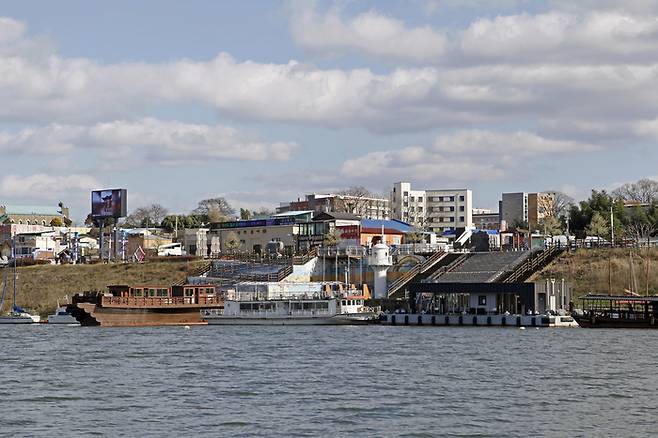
x,y
158,140
647,128
594,37
43,187
370,33
462,157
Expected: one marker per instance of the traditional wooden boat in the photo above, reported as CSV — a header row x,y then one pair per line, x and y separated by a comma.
x,y
618,311
145,305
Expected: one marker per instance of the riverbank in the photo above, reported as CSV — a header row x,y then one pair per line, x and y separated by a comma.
x,y
40,287
587,270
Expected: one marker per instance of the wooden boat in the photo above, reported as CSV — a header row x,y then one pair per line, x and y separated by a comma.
x,y
145,305
618,311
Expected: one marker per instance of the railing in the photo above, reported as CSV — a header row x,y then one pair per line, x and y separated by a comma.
x,y
451,267
305,258
420,268
532,264
160,301
195,273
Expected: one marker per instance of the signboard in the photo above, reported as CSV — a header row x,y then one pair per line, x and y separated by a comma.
x,y
257,223
109,203
349,232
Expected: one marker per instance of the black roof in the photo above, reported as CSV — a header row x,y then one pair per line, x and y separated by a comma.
x,y
336,215
636,298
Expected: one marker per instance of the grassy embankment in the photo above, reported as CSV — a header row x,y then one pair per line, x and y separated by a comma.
x,y
40,287
587,270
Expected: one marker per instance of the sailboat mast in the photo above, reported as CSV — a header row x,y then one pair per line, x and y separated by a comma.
x,y
13,253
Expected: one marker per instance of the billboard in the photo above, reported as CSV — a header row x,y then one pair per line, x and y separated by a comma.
x,y
109,203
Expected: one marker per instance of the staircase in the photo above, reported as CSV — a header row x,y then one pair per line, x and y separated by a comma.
x,y
198,272
417,270
461,258
534,263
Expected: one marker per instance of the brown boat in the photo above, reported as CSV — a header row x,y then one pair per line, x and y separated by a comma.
x,y
618,311
145,305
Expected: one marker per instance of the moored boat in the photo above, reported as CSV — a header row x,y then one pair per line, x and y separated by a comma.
x,y
618,311
62,316
145,305
306,304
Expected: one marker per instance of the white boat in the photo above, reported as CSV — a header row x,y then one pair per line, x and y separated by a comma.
x,y
16,315
316,306
62,316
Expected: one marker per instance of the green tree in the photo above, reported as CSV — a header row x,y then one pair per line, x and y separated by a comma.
x,y
232,242
56,222
551,226
331,238
414,235
245,214
598,226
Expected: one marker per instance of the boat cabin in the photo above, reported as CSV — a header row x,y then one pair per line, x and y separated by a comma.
x,y
196,293
352,304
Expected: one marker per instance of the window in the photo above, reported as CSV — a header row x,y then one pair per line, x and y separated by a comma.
x,y
420,199
163,292
411,198
452,199
151,292
461,208
138,292
461,199
482,300
461,218
406,193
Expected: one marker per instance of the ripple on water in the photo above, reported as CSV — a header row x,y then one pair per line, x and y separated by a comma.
x,y
311,381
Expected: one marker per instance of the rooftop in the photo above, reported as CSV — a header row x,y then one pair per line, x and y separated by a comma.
x,y
30,210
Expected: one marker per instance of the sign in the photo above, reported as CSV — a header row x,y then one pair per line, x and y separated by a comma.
x,y
349,232
109,203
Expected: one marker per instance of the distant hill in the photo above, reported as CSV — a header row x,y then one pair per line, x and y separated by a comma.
x,y
587,270
41,286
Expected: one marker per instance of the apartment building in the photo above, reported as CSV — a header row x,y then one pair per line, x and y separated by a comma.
x,y
362,206
485,219
527,208
436,210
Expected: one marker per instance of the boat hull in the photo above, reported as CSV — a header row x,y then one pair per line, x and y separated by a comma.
x,y
89,314
601,322
287,320
16,320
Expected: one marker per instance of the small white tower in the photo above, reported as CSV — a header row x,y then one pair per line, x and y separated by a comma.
x,y
380,261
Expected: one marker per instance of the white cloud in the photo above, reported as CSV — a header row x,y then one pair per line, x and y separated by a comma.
x,y
599,37
463,156
371,33
159,140
43,187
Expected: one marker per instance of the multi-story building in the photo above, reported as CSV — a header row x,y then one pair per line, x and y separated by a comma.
x,y
485,219
32,214
525,208
437,210
362,206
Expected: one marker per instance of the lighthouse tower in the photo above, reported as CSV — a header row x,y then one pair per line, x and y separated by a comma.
x,y
380,261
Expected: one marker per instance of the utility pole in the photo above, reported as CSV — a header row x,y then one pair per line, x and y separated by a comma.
x,y
612,227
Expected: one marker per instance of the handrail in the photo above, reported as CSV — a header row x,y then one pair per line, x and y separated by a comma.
x,y
417,269
532,264
451,267
159,301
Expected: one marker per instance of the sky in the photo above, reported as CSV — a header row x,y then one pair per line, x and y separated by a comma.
x,y
264,101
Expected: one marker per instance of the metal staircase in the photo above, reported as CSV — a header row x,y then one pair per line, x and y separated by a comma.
x,y
418,269
532,264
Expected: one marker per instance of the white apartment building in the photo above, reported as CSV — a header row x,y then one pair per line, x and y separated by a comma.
x,y
435,210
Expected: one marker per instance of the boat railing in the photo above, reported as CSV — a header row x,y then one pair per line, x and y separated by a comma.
x,y
108,301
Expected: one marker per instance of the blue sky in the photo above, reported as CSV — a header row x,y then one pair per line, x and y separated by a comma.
x,y
263,101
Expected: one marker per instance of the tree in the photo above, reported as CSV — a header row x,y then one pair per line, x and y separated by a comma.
x,y
148,216
414,235
331,238
644,191
557,204
355,200
640,223
214,209
232,242
169,223
56,222
551,226
245,214
598,226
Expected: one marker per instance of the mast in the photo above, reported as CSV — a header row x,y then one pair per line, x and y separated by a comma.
x,y
13,252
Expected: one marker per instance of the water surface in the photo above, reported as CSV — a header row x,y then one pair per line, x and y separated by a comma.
x,y
326,381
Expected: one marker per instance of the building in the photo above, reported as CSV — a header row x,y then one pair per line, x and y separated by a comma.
x,y
526,209
362,206
32,214
440,211
485,220
254,235
195,241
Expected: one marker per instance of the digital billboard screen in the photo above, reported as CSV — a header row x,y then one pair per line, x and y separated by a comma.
x,y
109,203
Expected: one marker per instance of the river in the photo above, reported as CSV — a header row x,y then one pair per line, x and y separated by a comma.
x,y
326,381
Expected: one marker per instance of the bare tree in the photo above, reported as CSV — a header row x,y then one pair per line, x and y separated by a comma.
x,y
356,200
556,204
644,191
214,209
232,242
151,215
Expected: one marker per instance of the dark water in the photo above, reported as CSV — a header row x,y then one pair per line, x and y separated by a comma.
x,y
327,381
